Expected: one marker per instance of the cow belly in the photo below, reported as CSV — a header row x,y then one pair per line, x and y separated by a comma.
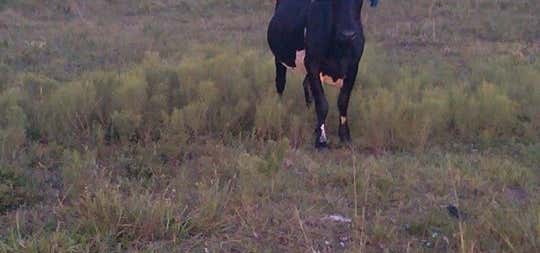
x,y
299,62
330,81
301,69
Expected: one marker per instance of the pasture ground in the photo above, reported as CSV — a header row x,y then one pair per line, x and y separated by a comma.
x,y
153,126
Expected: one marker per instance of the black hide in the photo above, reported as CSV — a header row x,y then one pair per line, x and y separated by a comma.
x,y
331,33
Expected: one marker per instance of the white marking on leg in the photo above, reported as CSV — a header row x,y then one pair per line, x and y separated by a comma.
x,y
287,66
323,138
343,120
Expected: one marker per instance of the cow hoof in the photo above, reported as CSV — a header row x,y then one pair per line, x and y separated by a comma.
x,y
321,141
321,146
344,133
345,138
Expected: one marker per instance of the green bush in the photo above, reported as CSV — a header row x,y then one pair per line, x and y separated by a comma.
x,y
125,124
270,118
16,188
36,91
377,116
252,181
219,91
11,140
195,118
77,171
487,114
11,113
106,86
6,76
12,124
177,129
68,113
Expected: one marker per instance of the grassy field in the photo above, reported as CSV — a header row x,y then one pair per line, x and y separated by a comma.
x,y
154,126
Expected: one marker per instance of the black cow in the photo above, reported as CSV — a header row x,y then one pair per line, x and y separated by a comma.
x,y
330,32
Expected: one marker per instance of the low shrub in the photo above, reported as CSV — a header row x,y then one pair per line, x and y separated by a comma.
x,y
16,188
218,91
111,218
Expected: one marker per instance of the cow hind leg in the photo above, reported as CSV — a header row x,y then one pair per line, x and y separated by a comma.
x,y
281,77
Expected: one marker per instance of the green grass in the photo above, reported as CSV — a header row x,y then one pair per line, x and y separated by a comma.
x,y
154,126
246,198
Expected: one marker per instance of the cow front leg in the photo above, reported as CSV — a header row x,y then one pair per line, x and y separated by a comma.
x,y
321,107
281,77
343,103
